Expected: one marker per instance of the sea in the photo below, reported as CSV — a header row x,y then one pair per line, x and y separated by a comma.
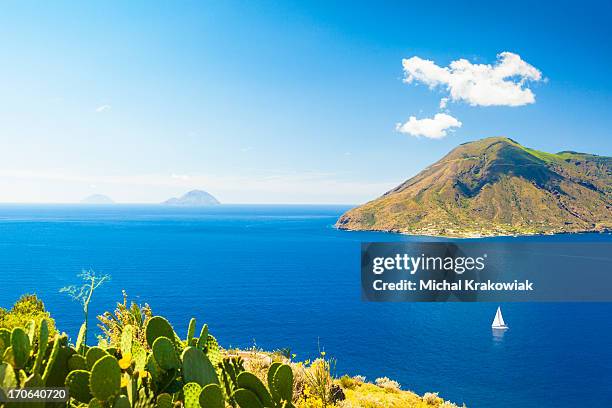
x,y
282,277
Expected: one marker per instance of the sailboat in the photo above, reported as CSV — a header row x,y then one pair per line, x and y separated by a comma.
x,y
498,321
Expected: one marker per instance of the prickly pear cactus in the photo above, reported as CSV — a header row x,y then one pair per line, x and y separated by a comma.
x,y
192,395
165,354
122,402
163,401
156,327
153,369
197,367
77,362
43,342
212,351
201,343
94,403
250,382
231,367
7,376
271,371
20,347
105,378
127,336
80,343
93,355
77,383
30,329
191,331
211,396
282,382
247,399
5,340
139,355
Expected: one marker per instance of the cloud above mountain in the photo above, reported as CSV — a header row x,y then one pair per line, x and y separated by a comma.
x,y
505,83
433,128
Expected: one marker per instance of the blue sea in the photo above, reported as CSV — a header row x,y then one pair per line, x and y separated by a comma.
x,y
283,277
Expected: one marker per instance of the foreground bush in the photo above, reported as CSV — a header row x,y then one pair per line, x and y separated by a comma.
x,y
28,308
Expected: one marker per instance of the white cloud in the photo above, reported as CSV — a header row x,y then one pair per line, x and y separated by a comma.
x,y
503,84
433,128
443,103
103,108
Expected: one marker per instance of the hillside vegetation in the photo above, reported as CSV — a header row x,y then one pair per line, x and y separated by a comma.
x,y
140,361
495,186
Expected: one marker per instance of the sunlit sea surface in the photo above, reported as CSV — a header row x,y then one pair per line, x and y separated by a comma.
x,y
282,276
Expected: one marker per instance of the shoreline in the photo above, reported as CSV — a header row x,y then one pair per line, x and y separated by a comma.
x,y
475,236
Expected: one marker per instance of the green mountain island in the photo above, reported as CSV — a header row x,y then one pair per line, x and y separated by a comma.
x,y
495,186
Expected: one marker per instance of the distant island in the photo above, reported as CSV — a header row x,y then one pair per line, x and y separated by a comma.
x,y
194,198
97,199
492,187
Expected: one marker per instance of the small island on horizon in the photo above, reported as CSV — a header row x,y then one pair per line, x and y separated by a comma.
x,y
193,198
495,187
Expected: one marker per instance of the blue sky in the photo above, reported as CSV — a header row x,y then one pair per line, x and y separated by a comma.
x,y
274,102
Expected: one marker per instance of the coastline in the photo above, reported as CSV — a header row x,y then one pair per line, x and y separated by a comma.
x,y
476,236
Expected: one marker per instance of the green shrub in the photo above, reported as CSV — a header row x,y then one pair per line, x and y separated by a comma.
x,y
348,382
26,309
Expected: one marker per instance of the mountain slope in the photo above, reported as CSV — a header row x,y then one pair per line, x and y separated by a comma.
x,y
495,186
193,198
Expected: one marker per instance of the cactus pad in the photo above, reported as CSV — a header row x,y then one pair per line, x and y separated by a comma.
x,y
94,403
156,327
191,331
93,355
192,395
77,362
30,329
211,396
122,402
43,342
165,353
153,368
250,382
282,382
20,345
80,343
139,355
5,340
127,336
105,378
7,376
247,399
164,401
201,344
77,383
212,351
198,368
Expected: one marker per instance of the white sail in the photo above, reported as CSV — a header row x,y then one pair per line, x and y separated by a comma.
x,y
498,321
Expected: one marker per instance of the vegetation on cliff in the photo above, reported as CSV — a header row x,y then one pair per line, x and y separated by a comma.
x,y
140,361
495,186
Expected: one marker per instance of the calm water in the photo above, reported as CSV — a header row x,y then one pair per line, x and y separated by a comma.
x,y
281,276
